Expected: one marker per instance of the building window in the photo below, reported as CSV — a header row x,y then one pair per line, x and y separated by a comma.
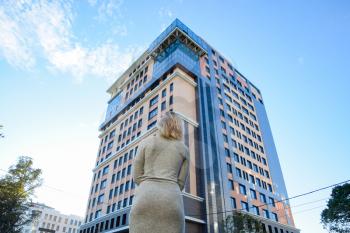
x,y
171,87
238,172
207,69
269,187
242,189
123,172
225,138
252,179
139,124
151,125
223,124
100,199
233,203
164,93
152,113
98,213
244,206
103,184
127,184
274,217
121,189
245,175
227,152
236,157
250,164
125,202
253,194
129,170
163,106
258,181
256,210
262,198
153,101
105,170
171,100
111,135
266,213
229,167
230,184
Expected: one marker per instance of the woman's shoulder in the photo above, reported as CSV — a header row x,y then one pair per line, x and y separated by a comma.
x,y
183,148
150,139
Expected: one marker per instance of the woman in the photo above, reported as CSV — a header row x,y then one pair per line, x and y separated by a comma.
x,y
160,170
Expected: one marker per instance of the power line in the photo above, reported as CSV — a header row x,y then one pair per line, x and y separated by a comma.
x,y
317,207
306,203
302,204
282,200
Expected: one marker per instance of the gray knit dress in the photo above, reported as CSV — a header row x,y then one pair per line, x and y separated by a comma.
x,y
160,170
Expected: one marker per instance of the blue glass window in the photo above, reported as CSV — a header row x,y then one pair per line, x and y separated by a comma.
x,y
152,113
262,198
253,194
245,206
242,189
153,101
233,203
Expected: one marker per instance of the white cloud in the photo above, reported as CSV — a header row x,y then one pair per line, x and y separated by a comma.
x,y
108,10
13,47
33,29
165,12
106,60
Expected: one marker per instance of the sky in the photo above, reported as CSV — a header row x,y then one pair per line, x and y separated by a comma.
x,y
57,60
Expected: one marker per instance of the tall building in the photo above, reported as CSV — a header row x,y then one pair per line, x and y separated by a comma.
x,y
234,163
50,220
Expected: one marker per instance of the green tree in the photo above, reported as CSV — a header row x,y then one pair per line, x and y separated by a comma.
x,y
16,192
239,222
336,216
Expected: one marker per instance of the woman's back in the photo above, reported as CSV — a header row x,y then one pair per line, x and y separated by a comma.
x,y
163,159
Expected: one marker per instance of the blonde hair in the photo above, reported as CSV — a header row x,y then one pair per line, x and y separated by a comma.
x,y
171,126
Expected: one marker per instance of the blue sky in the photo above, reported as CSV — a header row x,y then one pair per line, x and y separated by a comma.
x,y
58,59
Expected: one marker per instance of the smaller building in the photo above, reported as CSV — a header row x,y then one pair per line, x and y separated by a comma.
x,y
50,220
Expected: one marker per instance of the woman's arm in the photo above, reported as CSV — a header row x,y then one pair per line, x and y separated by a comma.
x,y
184,170
138,164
